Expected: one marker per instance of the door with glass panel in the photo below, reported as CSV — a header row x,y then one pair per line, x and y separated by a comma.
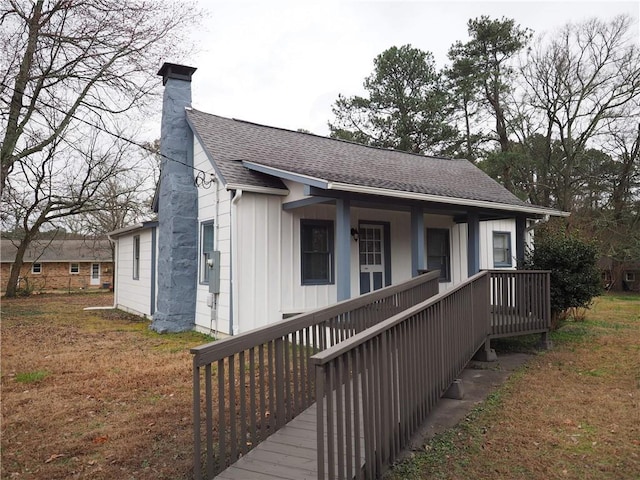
x,y
95,274
372,261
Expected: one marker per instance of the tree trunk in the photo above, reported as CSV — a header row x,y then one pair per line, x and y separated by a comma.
x,y
16,267
13,132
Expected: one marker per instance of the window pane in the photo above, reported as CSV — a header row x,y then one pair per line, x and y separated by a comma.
x,y
315,266
501,249
207,238
206,248
136,257
317,250
438,252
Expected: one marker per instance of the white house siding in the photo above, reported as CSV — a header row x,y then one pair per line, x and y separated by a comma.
x,y
259,265
267,269
296,297
133,295
300,298
214,204
486,241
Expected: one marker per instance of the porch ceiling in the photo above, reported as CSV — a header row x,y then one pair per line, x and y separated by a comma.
x,y
317,195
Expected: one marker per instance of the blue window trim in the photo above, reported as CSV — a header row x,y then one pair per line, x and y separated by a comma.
x,y
328,224
202,255
445,276
136,257
508,253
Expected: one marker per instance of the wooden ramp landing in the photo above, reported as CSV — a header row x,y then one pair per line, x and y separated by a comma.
x,y
290,453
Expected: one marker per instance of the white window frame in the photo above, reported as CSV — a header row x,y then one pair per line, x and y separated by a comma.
x,y
71,269
33,268
629,276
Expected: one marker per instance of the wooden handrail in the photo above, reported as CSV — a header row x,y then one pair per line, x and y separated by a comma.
x,y
331,353
256,382
374,390
214,351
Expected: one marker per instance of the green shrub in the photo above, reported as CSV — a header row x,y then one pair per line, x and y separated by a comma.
x,y
575,277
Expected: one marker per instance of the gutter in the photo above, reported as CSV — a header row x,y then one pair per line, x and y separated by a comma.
x,y
234,304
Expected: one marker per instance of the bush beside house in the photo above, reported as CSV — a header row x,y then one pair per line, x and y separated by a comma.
x,y
575,276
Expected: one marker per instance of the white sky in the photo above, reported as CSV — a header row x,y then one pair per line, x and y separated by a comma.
x,y
283,63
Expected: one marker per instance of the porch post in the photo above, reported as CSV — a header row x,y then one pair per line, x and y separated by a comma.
x,y
473,244
417,240
343,248
521,227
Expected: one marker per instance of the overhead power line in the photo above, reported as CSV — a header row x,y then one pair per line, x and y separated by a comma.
x,y
113,134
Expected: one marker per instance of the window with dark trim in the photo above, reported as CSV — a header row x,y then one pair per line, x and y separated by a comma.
x,y
439,252
316,244
502,249
206,250
74,268
36,268
136,257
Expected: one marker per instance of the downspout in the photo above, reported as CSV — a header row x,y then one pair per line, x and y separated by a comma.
x,y
216,225
234,304
534,223
152,306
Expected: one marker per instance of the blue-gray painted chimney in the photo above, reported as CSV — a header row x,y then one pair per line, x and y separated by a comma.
x,y
177,208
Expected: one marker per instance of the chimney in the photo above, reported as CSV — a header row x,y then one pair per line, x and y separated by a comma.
x,y
177,271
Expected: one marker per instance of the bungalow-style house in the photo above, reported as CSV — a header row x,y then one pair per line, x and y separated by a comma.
x,y
60,264
256,223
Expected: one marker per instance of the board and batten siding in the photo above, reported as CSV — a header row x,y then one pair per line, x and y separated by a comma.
x,y
295,297
214,205
134,295
486,241
259,264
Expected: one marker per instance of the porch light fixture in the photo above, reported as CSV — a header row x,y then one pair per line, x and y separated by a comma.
x,y
355,234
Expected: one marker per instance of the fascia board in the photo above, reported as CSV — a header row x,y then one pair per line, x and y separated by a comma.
x,y
447,200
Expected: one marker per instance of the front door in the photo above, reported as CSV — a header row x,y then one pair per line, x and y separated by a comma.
x,y
95,274
372,261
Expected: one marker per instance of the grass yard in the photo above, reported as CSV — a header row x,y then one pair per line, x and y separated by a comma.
x,y
92,394
572,413
96,394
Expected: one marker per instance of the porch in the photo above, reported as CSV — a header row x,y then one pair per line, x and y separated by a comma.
x,y
338,392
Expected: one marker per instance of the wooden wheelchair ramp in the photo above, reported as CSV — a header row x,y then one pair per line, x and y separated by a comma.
x,y
373,387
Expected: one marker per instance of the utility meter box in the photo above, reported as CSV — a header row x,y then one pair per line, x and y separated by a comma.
x,y
213,263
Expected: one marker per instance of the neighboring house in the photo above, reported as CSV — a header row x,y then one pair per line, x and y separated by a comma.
x,y
63,264
620,276
284,222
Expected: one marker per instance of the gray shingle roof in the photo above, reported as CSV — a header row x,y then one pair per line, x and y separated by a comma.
x,y
230,141
87,250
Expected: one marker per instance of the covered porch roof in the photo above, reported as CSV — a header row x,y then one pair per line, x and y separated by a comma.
x,y
258,158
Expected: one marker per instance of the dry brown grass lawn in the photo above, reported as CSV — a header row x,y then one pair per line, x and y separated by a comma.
x,y
95,394
92,394
572,413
